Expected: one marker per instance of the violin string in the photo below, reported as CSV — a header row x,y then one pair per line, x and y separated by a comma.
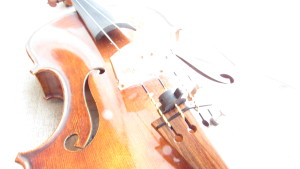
x,y
192,97
119,49
106,35
186,90
157,107
112,24
149,95
160,81
116,46
103,15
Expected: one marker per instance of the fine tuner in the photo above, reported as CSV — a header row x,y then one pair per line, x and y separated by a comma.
x,y
170,100
113,94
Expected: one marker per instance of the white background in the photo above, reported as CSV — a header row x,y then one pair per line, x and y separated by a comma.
x,y
259,40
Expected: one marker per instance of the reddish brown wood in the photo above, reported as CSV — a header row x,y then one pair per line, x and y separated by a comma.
x,y
192,143
64,55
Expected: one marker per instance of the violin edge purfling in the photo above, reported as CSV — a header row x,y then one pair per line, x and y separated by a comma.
x,y
65,54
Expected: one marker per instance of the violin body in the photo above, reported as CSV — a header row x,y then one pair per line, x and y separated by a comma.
x,y
101,125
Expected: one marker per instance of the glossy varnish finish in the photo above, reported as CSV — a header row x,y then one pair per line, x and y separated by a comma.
x,y
65,56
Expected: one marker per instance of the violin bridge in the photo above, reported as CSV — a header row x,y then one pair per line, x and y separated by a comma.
x,y
134,64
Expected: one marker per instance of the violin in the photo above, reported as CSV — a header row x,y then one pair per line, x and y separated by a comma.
x,y
116,113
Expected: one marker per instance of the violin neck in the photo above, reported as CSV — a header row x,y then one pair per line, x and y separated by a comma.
x,y
98,21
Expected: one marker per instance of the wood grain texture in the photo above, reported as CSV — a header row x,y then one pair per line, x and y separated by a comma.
x,y
192,145
65,57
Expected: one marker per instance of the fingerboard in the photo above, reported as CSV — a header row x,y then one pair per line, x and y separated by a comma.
x,y
98,21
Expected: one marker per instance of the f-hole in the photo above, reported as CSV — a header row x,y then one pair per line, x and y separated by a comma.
x,y
93,111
